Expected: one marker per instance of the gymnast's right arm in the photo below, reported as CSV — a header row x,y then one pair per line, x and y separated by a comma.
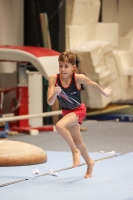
x,y
52,90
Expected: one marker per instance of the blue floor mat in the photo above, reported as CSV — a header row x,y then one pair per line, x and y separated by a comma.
x,y
111,180
56,161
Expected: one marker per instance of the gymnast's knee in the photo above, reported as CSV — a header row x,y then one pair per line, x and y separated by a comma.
x,y
59,127
77,142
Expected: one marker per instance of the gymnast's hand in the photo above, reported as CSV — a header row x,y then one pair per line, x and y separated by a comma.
x,y
107,92
57,90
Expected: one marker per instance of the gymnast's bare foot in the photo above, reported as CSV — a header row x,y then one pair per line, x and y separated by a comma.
x,y
76,158
89,170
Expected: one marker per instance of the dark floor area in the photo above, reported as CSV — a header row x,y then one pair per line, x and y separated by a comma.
x,y
101,136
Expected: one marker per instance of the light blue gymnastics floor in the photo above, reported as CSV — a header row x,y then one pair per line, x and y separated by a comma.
x,y
112,179
56,161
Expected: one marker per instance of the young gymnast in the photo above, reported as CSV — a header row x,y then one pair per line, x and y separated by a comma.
x,y
66,87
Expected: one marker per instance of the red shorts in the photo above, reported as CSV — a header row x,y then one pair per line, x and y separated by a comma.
x,y
80,112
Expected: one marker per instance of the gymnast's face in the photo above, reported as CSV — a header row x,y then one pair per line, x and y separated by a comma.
x,y
66,69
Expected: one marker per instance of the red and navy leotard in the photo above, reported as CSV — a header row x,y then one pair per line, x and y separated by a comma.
x,y
69,98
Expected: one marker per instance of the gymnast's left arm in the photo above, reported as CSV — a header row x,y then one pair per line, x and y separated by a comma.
x,y
82,79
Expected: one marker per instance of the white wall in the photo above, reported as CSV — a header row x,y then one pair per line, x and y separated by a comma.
x,y
109,11
125,16
11,22
120,12
11,33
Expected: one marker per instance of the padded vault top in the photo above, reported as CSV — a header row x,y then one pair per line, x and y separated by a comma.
x,y
45,60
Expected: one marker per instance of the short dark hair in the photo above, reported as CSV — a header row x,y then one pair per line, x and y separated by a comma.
x,y
69,56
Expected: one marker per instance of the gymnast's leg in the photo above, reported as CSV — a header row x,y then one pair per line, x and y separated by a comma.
x,y
62,128
77,138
